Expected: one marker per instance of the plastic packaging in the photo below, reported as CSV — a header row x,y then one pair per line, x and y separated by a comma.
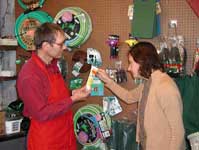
x,y
194,140
91,76
123,136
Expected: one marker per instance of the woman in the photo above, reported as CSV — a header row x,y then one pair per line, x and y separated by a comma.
x,y
159,122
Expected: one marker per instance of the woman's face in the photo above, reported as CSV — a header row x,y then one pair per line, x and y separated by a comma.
x,y
133,67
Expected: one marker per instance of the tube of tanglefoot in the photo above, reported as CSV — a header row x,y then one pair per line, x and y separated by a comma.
x,y
92,74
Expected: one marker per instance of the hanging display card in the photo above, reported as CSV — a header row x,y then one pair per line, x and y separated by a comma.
x,y
144,23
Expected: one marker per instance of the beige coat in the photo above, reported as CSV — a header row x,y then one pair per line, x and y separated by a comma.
x,y
163,113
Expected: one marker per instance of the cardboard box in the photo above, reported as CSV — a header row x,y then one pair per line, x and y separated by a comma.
x,y
2,122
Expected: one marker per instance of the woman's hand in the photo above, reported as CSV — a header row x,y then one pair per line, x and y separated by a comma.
x,y
101,73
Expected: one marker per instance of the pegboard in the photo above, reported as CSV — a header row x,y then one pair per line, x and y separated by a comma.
x,y
187,25
110,17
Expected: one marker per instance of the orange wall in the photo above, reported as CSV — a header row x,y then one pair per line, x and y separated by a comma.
x,y
110,17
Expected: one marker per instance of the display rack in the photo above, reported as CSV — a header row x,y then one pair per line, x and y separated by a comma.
x,y
6,137
7,49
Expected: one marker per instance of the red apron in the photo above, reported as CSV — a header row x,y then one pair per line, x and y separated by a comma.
x,y
58,133
194,5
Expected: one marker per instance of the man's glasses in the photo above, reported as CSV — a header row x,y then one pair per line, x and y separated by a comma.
x,y
60,44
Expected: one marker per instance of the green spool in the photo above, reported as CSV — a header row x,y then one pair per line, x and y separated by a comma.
x,y
88,25
85,118
25,26
34,3
82,26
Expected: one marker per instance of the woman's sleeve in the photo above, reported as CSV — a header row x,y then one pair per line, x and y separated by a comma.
x,y
128,96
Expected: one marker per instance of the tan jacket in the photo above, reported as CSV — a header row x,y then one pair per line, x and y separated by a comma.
x,y
163,113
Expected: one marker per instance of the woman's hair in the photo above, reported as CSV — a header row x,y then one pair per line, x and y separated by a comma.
x,y
46,33
145,54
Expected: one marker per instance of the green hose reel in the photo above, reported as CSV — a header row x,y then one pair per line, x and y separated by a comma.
x,y
77,29
91,125
30,4
26,25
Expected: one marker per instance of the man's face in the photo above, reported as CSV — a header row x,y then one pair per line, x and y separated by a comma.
x,y
58,46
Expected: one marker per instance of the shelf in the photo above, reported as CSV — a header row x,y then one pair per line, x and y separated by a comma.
x,y
7,78
8,44
8,47
6,137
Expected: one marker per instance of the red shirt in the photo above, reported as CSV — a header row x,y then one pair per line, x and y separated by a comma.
x,y
33,88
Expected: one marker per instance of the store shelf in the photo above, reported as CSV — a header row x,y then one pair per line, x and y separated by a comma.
x,y
7,78
8,47
6,137
8,44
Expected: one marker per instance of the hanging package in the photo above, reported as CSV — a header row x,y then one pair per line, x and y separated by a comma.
x,y
144,23
81,57
123,136
26,25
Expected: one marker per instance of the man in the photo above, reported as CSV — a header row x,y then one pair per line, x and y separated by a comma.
x,y
47,101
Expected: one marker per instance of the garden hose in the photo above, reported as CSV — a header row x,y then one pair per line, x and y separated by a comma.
x,y
30,4
86,126
78,29
26,25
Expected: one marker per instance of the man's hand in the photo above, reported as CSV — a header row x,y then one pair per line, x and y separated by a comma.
x,y
80,94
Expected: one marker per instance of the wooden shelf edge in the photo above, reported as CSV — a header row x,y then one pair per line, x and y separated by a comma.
x,y
8,47
6,137
8,78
